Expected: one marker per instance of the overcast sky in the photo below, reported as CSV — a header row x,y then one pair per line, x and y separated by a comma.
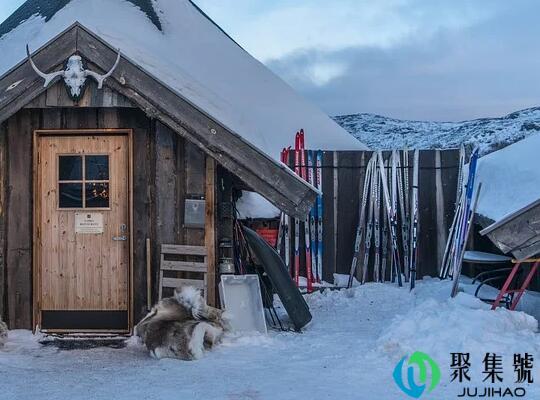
x,y
412,59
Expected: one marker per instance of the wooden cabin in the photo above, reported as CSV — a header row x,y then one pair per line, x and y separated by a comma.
x,y
92,185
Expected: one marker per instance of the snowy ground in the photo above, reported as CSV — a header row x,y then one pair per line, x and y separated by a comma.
x,y
349,351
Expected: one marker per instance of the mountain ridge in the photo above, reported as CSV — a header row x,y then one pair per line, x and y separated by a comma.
x,y
489,134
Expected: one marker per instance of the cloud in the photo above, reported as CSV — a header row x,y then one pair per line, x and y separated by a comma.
x,y
314,43
486,69
286,27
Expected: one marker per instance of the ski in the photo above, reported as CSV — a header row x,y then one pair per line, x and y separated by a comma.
x,y
449,251
369,224
450,243
413,260
466,218
391,215
394,190
361,223
377,227
312,220
282,230
461,167
296,220
318,176
307,240
385,233
462,248
403,189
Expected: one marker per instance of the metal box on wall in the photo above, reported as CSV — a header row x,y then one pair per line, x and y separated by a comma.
x,y
194,213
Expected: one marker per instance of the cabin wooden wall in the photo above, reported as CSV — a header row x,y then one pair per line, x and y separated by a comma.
x,y
167,170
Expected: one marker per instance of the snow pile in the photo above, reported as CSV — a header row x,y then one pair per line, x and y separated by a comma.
x,y
464,324
253,205
3,332
490,134
197,60
510,179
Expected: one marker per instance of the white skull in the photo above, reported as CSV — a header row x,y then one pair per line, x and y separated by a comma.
x,y
75,75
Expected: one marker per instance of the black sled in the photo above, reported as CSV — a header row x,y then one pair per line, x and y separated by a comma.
x,y
283,285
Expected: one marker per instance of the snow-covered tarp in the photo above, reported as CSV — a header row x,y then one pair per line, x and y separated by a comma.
x,y
196,59
348,352
510,179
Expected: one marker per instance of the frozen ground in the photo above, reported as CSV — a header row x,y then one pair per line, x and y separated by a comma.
x,y
348,352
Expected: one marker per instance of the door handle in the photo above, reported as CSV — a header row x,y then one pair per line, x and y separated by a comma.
x,y
120,238
123,237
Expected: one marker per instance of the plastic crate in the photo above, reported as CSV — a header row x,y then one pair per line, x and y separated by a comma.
x,y
269,235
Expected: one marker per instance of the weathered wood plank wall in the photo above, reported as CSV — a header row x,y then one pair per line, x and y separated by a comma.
x,y
19,218
167,170
343,182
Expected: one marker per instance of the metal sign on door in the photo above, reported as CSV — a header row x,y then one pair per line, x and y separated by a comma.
x,y
89,223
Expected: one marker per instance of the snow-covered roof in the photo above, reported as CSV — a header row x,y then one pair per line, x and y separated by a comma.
x,y
188,52
510,179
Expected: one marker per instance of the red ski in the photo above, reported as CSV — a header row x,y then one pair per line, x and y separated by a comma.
x,y
304,175
296,220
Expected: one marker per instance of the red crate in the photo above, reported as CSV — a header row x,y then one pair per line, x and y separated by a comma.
x,y
269,235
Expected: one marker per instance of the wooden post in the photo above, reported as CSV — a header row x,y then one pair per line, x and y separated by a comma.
x,y
439,203
148,274
335,203
3,170
210,230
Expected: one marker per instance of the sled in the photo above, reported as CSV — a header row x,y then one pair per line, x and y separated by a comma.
x,y
283,285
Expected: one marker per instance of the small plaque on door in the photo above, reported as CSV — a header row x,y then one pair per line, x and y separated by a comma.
x,y
89,223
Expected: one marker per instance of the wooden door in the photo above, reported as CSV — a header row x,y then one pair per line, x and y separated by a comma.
x,y
83,231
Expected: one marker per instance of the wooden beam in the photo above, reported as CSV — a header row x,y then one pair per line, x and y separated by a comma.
x,y
3,174
210,230
57,96
165,199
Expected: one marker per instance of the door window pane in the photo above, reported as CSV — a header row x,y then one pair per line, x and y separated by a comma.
x,y
71,195
97,168
97,195
70,168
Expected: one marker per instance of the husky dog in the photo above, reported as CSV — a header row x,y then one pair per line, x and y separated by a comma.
x,y
182,326
3,333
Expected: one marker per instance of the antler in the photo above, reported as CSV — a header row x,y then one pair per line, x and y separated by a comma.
x,y
48,77
101,78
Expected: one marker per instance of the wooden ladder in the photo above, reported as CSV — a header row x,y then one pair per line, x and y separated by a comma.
x,y
169,251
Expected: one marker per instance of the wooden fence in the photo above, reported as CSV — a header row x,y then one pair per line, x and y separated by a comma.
x,y
343,174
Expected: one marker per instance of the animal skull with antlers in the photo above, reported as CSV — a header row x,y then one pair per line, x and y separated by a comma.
x,y
74,75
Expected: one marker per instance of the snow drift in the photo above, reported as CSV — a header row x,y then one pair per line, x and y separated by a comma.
x,y
510,179
464,324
